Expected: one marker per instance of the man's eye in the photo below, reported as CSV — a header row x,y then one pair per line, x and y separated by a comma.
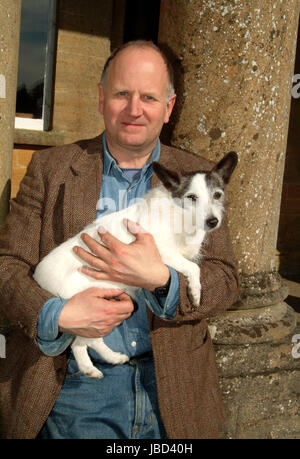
x,y
122,93
192,197
217,195
148,98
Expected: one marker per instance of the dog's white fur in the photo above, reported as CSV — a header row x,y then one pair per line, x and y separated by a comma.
x,y
178,233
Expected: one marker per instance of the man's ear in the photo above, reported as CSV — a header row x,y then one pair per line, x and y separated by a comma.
x,y
170,179
170,105
226,166
101,98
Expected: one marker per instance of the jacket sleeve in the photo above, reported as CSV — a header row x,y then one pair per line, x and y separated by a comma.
x,y
21,299
218,277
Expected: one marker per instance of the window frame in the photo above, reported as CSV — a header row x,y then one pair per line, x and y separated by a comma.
x,y
44,123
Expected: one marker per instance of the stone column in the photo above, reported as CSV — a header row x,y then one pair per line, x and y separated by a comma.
x,y
10,12
234,63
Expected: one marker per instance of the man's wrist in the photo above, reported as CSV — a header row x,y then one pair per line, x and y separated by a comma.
x,y
164,280
162,290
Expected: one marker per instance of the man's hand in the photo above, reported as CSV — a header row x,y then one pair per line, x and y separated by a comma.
x,y
93,314
138,264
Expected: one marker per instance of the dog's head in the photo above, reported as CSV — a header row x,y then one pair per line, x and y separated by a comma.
x,y
200,193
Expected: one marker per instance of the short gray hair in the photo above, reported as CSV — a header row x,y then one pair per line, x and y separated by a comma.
x,y
142,44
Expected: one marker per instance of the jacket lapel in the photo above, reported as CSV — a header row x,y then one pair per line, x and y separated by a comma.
x,y
82,190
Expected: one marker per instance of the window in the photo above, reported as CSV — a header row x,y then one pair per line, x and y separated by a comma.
x,y
36,63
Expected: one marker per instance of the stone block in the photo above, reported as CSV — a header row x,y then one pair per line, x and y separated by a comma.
x,y
238,361
262,406
263,325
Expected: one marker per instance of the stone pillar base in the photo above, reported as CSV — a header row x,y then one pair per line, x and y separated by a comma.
x,y
259,376
260,289
262,406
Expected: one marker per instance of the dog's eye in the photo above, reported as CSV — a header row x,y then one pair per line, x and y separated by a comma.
x,y
192,197
217,195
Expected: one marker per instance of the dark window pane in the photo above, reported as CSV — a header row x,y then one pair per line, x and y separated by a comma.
x,y
32,58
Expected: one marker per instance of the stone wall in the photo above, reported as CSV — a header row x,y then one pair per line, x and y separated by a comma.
x,y
20,160
83,45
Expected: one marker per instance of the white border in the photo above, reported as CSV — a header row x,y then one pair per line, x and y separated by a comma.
x,y
29,123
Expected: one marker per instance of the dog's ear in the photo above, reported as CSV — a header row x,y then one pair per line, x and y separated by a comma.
x,y
226,166
170,179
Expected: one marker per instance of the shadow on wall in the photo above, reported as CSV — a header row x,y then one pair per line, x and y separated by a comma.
x,y
91,19
4,201
288,243
179,89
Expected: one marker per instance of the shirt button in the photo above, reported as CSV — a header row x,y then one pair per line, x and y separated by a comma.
x,y
133,344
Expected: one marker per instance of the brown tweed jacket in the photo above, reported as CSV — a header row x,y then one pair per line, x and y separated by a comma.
x,y
57,198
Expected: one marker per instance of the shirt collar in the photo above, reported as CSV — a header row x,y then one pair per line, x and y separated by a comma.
x,y
109,161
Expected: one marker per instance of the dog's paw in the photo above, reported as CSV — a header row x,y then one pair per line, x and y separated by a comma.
x,y
212,331
194,294
119,359
93,372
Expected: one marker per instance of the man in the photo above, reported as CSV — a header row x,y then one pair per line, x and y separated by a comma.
x,y
170,387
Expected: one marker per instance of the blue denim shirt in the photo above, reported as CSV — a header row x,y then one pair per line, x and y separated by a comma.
x,y
132,336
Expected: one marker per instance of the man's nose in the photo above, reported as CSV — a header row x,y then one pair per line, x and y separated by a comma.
x,y
134,106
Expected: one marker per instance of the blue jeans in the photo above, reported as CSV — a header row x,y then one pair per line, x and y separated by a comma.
x,y
123,404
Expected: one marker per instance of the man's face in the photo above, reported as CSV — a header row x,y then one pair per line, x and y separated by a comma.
x,y
134,101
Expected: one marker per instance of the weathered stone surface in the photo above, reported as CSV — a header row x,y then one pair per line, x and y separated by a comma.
x,y
260,289
261,388
252,359
262,325
262,406
30,137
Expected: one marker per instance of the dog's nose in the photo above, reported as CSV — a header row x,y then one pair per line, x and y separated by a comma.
x,y
212,222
